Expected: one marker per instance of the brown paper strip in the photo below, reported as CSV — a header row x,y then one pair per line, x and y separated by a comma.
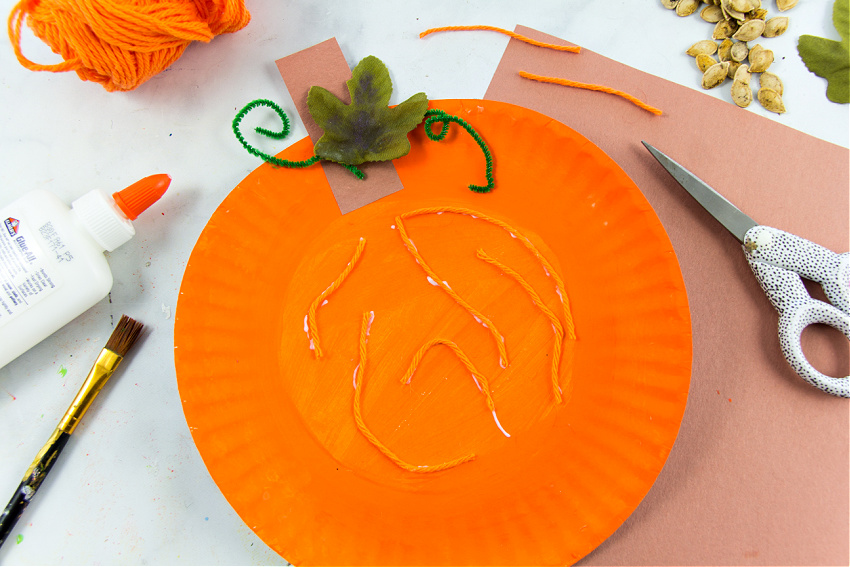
x,y
324,65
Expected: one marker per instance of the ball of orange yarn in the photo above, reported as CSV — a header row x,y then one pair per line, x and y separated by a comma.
x,y
121,43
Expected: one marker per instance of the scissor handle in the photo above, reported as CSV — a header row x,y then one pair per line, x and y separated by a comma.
x,y
778,259
810,260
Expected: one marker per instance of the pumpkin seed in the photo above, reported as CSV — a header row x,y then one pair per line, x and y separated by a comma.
x,y
749,30
770,81
705,61
760,59
739,51
729,11
744,5
733,68
775,26
715,75
711,14
771,100
669,4
687,7
725,50
742,74
742,94
785,5
724,29
704,47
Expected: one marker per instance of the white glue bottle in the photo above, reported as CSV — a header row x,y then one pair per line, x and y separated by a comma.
x,y
52,266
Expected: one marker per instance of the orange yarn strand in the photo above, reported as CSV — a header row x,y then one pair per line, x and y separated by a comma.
x,y
480,380
570,48
556,323
310,323
121,43
364,429
547,266
436,280
591,87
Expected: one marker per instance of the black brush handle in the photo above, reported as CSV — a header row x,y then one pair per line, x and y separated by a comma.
x,y
33,479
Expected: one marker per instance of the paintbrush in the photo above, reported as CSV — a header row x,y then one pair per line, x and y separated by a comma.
x,y
119,343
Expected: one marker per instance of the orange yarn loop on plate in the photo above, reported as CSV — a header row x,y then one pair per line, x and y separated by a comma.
x,y
121,43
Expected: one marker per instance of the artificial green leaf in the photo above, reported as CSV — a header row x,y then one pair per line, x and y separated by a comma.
x,y
828,58
367,129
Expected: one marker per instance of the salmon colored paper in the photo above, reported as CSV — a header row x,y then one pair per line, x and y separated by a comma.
x,y
548,481
759,474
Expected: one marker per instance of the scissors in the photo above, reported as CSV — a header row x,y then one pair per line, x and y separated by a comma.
x,y
778,260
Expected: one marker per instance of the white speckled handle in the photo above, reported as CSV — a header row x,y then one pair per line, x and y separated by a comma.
x,y
778,259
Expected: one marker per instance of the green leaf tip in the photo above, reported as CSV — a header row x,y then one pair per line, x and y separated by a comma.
x,y
367,129
828,58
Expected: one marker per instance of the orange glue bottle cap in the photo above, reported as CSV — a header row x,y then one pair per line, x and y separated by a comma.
x,y
136,198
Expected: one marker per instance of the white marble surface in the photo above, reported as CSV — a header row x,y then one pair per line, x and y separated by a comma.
x,y
131,487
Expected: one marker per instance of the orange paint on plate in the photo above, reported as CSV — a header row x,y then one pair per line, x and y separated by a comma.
x,y
275,427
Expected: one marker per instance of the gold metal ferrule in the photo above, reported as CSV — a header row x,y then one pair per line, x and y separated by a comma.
x,y
103,368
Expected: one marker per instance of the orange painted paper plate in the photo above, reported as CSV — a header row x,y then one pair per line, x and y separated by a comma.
x,y
292,439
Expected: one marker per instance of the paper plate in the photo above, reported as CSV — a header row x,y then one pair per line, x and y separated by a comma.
x,y
276,426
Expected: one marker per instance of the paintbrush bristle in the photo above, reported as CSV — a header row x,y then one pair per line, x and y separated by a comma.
x,y
124,335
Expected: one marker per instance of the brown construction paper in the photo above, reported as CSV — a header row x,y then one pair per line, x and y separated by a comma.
x,y
324,65
759,473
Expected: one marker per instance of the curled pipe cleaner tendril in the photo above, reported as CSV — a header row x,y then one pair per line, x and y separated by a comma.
x,y
237,120
436,115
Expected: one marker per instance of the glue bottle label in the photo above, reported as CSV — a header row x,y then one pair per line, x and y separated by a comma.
x,y
26,275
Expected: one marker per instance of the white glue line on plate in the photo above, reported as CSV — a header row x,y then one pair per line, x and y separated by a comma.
x,y
354,379
499,425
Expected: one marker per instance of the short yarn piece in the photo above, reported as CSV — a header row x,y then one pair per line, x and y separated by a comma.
x,y
480,380
361,424
121,43
557,327
310,321
555,80
570,48
547,266
591,87
439,282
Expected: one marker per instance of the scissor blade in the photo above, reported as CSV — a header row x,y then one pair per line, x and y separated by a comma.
x,y
720,208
